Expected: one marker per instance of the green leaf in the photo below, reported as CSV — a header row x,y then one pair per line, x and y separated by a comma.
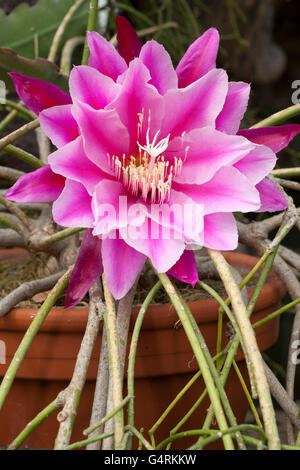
x,y
40,68
20,27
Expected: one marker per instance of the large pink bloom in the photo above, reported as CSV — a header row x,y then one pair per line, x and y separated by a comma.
x,y
137,131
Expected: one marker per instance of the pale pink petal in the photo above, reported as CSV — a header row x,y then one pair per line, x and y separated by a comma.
x,y
227,191
257,164
234,107
139,105
113,207
87,270
92,87
186,268
72,162
41,185
129,43
196,106
199,59
103,134
203,151
59,125
220,231
122,264
73,207
37,94
277,138
159,64
272,199
163,246
104,57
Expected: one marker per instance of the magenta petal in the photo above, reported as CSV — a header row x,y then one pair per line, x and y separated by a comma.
x,y
234,107
159,64
129,44
271,198
104,57
220,231
87,270
257,164
73,207
277,138
122,264
92,87
37,94
41,185
199,59
186,268
70,161
59,125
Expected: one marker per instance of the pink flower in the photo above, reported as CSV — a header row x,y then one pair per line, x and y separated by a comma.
x,y
135,129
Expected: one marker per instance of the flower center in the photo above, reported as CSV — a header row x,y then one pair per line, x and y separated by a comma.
x,y
148,175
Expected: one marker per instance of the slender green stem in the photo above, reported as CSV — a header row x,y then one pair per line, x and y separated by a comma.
x,y
85,442
67,53
61,29
10,224
275,314
10,138
28,115
91,429
14,209
10,117
91,26
286,172
279,117
30,334
68,232
140,436
23,155
132,352
33,424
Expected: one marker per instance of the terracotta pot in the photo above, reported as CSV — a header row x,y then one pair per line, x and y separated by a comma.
x,y
164,363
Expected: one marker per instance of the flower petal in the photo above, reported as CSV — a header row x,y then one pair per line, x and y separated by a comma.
x,y
41,185
37,94
203,151
277,137
220,231
199,59
72,162
122,264
104,57
129,44
159,64
227,191
195,106
186,268
87,270
92,87
234,107
73,207
257,164
272,199
59,125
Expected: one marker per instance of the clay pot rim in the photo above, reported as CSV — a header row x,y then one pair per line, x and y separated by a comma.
x,y
159,316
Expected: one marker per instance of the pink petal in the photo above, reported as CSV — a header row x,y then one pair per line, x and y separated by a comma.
x,y
203,151
163,247
234,107
159,64
186,268
113,207
41,185
72,162
104,57
257,164
227,191
199,59
277,138
87,270
129,44
73,207
92,87
37,94
220,231
122,264
196,106
103,134
59,125
139,105
272,199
